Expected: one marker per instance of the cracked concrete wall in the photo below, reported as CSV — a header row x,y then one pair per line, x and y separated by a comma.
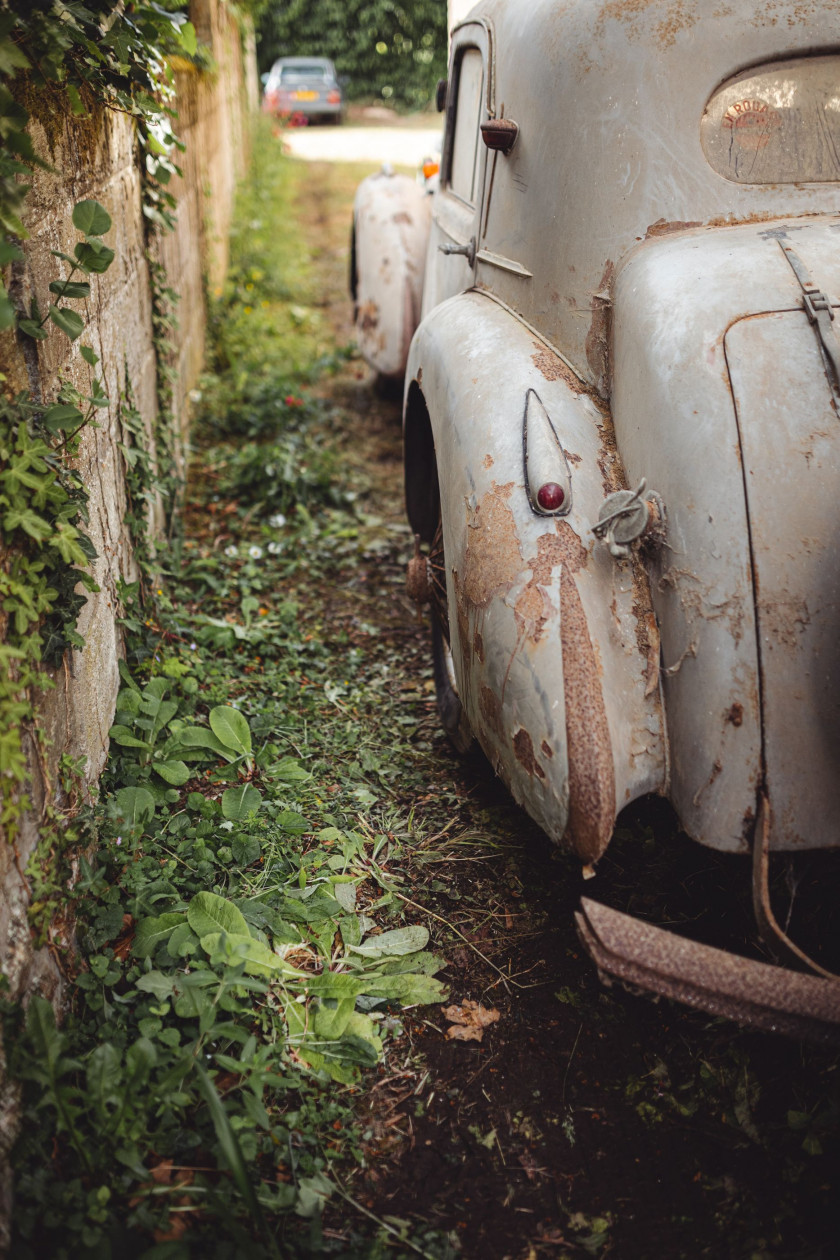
x,y
98,157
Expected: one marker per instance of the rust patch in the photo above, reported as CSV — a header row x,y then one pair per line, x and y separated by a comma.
x,y
597,343
478,646
491,710
402,216
523,747
368,317
735,716
553,368
677,18
609,462
493,558
532,608
662,227
547,750
488,461
591,777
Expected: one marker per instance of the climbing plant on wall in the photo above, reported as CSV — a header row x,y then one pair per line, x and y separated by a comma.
x,y
58,58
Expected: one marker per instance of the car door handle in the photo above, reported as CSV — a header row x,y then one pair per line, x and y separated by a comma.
x,y
467,250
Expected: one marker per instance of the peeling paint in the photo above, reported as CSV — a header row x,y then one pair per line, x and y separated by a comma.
x,y
523,747
493,559
597,344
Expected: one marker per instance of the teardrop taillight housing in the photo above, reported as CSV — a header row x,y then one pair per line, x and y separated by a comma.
x,y
548,480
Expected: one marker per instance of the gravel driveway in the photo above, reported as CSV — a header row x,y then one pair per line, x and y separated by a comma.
x,y
400,146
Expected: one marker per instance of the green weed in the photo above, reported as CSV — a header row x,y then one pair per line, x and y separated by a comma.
x,y
243,945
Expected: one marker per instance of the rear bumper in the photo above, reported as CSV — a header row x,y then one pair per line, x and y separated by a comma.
x,y
754,994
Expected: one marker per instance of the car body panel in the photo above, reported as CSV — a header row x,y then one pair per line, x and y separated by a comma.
x,y
609,99
678,303
391,230
555,647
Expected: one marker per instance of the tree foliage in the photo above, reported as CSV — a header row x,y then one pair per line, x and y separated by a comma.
x,y
393,51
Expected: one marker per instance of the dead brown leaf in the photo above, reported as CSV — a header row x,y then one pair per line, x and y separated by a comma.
x,y
469,1020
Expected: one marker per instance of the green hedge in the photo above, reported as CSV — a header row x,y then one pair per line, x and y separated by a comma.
x,y
394,52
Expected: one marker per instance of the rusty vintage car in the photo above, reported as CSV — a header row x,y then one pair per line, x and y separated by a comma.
x,y
622,439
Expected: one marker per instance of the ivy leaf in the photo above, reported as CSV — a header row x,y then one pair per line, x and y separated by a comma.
x,y
77,105
238,802
89,355
231,727
91,218
189,43
68,321
62,416
27,520
93,256
33,329
7,310
10,253
70,288
11,58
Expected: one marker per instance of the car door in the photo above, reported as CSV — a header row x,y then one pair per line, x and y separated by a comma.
x,y
456,215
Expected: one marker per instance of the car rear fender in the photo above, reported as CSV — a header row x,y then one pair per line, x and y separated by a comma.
x,y
722,399
390,233
555,647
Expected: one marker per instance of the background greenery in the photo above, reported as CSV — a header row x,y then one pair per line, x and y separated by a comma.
x,y
395,52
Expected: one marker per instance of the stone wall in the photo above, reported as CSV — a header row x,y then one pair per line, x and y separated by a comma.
x,y
97,157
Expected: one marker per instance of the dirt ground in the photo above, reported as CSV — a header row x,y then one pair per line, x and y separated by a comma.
x,y
587,1121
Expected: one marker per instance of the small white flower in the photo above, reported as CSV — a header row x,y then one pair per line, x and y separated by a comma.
x,y
226,826
277,521
195,395
193,647
231,551
274,549
255,553
119,839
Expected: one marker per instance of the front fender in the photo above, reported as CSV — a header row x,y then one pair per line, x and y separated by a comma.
x,y
555,646
390,232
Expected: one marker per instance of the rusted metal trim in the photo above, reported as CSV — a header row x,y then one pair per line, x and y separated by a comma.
x,y
499,134
783,949
752,993
503,264
589,750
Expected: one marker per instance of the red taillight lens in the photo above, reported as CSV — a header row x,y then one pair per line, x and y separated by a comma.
x,y
551,497
334,97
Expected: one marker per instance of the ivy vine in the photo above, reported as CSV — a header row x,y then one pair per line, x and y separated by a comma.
x,y
55,59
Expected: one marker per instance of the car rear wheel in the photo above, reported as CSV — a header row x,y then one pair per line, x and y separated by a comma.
x,y
450,710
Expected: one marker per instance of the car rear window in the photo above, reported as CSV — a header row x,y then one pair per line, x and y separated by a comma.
x,y
294,74
777,124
